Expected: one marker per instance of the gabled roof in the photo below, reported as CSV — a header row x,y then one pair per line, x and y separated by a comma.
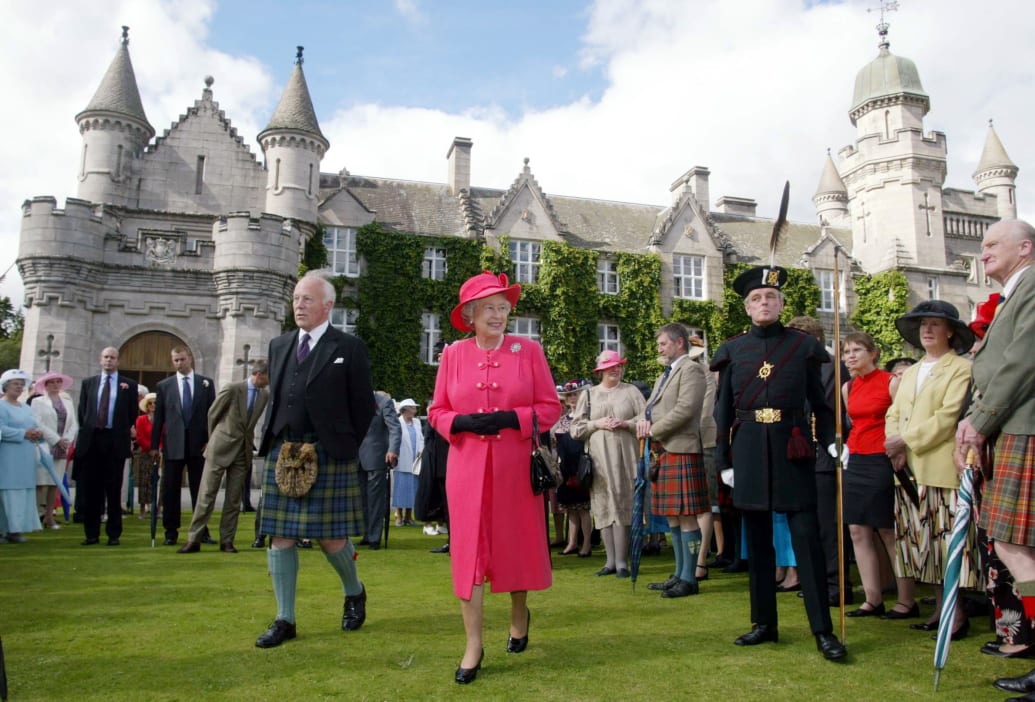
x,y
525,179
295,110
118,91
206,103
749,237
667,217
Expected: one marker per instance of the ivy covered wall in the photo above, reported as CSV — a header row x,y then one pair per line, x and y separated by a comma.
x,y
881,299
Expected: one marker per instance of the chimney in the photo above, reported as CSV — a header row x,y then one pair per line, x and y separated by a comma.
x,y
459,158
698,176
736,205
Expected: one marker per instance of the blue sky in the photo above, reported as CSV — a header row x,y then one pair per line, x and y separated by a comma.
x,y
610,99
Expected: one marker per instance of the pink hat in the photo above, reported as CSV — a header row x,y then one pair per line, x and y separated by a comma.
x,y
609,359
482,285
41,382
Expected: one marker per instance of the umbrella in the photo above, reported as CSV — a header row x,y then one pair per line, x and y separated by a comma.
x,y
154,500
908,482
639,496
953,563
48,464
388,502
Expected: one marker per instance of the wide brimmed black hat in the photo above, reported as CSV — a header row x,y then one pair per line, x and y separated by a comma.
x,y
760,277
908,325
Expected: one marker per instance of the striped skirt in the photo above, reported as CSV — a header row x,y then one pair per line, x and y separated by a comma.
x,y
682,487
332,509
1008,510
922,537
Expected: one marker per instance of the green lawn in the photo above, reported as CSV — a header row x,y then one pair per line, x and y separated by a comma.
x,y
136,623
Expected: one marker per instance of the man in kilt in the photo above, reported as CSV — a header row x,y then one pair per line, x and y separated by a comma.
x,y
321,393
1003,415
764,434
672,420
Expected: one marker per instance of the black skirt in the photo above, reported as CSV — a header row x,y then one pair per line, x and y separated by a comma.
x,y
869,486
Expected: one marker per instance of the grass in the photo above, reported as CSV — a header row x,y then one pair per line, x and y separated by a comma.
x,y
136,623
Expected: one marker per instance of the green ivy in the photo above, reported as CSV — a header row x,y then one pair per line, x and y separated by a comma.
x,y
881,299
314,257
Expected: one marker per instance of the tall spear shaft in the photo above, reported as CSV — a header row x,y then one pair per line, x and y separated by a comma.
x,y
838,440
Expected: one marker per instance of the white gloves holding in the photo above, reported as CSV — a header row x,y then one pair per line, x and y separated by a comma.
x,y
832,450
727,476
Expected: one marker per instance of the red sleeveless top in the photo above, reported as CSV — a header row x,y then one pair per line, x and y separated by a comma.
x,y
868,402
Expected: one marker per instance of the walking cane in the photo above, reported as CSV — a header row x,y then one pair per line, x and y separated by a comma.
x,y
838,443
388,502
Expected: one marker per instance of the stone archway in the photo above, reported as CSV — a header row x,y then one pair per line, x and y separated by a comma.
x,y
145,357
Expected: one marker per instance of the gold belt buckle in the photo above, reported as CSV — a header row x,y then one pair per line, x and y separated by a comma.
x,y
767,415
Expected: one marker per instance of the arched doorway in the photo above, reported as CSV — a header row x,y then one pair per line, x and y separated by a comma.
x,y
145,357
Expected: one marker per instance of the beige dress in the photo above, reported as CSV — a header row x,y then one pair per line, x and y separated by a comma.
x,y
614,452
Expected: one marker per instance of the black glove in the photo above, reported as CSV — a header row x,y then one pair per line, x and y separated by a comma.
x,y
505,419
474,423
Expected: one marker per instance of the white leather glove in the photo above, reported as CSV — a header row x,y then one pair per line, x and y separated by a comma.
x,y
727,476
832,450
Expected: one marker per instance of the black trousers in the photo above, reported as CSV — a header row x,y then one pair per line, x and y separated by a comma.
x,y
99,480
373,487
172,480
826,511
804,528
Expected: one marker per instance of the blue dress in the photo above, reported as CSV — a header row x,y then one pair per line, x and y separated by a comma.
x,y
18,475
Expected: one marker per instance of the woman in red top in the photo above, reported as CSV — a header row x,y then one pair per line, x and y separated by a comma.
x,y
141,459
869,484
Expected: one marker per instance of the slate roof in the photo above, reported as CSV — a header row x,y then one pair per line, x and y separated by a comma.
x,y
993,155
118,91
750,238
295,109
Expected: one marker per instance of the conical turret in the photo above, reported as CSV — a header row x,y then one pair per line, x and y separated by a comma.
x,y
831,198
996,175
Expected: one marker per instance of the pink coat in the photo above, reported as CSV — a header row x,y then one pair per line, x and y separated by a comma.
x,y
497,527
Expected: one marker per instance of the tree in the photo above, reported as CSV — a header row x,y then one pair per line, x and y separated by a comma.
x,y
12,323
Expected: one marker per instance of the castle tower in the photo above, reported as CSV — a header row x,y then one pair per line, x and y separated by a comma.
x,y
831,198
996,175
294,147
894,173
115,131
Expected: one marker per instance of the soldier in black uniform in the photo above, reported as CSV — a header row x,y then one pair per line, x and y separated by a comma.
x,y
766,375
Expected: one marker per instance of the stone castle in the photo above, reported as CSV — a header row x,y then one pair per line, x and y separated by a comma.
x,y
189,238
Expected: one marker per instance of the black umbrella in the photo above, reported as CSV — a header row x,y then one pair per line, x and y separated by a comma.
x,y
388,502
154,500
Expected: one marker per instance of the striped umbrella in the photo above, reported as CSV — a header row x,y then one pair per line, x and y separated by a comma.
x,y
953,563
639,497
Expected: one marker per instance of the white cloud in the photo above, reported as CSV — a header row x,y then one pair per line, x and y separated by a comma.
x,y
756,90
410,11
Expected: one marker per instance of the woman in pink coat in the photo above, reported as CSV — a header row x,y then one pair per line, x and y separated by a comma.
x,y
487,390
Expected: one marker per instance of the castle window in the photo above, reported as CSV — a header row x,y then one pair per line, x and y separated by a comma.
x,y
609,337
118,161
199,175
525,257
825,281
527,327
276,175
970,263
341,250
434,265
688,277
431,332
345,319
887,124
607,276
932,288
82,165
309,187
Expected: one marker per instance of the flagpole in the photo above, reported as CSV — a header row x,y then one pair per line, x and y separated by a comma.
x,y
838,443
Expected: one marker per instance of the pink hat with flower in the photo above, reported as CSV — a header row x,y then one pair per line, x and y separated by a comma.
x,y
485,284
609,359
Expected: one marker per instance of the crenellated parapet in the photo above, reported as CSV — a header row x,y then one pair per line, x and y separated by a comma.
x,y
76,231
265,243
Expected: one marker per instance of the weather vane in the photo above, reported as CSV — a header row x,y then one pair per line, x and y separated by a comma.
x,y
882,28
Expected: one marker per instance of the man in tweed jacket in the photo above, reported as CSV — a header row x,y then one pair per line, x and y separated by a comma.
x,y
1003,413
321,393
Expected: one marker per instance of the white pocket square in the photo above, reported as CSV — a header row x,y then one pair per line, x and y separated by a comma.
x,y
339,360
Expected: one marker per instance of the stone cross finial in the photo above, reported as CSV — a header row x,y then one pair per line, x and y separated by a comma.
x,y
245,362
298,56
125,35
49,353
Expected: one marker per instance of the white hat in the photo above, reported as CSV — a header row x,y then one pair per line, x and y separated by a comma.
x,y
13,374
408,402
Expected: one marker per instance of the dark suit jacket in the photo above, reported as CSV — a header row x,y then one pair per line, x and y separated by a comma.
x,y
169,418
123,420
384,435
230,427
339,392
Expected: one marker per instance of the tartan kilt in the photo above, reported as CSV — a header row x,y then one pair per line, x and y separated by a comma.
x,y
332,509
682,486
1008,508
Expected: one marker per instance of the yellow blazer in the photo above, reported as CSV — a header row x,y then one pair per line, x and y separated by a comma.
x,y
926,420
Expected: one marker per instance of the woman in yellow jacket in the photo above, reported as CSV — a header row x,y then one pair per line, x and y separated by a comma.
x,y
921,431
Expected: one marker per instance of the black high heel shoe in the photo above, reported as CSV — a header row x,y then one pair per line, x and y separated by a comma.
x,y
519,645
467,675
959,633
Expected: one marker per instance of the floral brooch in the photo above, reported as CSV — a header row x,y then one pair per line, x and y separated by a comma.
x,y
515,347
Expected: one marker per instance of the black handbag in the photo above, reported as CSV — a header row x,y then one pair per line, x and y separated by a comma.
x,y
542,477
584,472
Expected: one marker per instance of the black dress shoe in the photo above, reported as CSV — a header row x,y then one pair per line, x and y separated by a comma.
x,y
796,587
1030,697
830,647
259,542
227,548
702,577
718,562
189,547
113,541
519,645
206,539
355,611
605,571
566,552
663,586
444,548
737,566
169,541
911,613
994,649
874,611
1023,684
760,634
925,626
467,675
682,588
279,632
958,634
89,542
